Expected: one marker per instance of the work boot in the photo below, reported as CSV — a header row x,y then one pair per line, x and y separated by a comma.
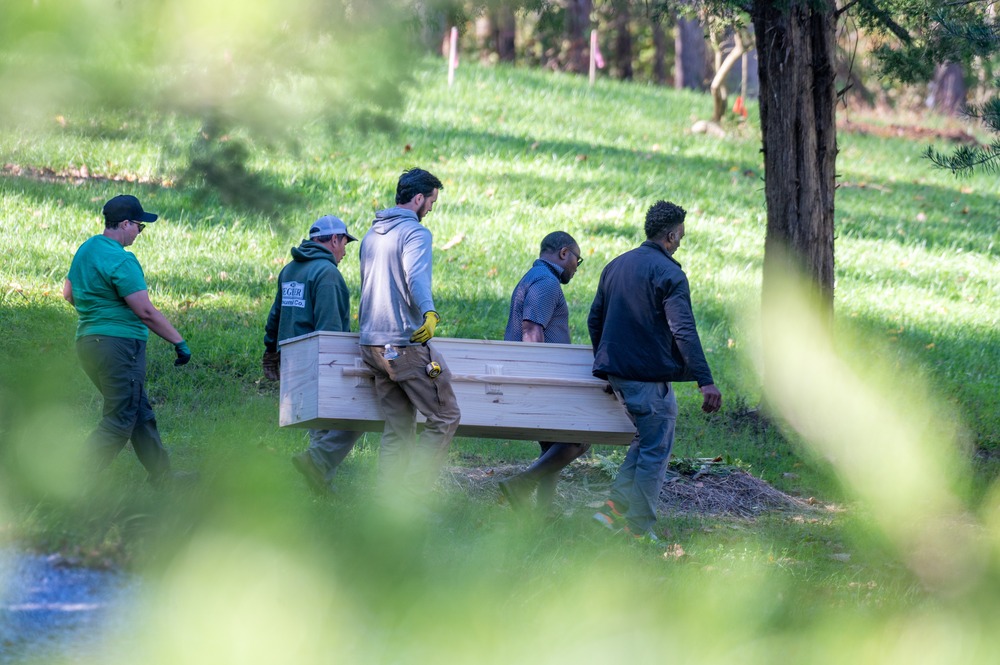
x,y
517,490
546,493
304,464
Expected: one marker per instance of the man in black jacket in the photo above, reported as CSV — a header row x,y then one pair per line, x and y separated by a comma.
x,y
645,339
312,296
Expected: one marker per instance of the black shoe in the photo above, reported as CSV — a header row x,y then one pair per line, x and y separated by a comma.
x,y
304,464
516,494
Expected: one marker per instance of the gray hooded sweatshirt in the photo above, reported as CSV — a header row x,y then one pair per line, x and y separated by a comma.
x,y
395,278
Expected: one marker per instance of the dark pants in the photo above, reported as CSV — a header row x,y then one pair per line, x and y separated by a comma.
x,y
117,366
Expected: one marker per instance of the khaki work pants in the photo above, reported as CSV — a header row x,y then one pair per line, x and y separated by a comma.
x,y
409,465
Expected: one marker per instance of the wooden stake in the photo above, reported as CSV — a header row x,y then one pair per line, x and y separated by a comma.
x,y
593,56
452,55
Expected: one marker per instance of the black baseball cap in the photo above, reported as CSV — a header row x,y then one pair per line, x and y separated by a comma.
x,y
126,206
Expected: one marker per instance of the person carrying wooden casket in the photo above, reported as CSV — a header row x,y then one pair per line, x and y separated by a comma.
x,y
312,295
539,313
397,318
643,331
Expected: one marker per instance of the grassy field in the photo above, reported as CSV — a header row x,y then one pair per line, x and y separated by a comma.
x,y
250,559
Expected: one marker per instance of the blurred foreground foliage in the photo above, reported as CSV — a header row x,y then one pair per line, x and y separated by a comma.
x,y
251,75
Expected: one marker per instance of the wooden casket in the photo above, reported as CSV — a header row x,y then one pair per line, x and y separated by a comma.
x,y
506,390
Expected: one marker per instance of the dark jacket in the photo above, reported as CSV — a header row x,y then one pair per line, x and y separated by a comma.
x,y
641,323
312,295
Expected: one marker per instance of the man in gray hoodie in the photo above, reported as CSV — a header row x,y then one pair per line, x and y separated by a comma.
x,y
397,318
312,296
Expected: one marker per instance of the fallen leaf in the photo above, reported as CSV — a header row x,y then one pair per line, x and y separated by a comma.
x,y
455,240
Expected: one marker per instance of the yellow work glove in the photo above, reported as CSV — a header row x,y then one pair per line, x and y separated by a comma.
x,y
426,331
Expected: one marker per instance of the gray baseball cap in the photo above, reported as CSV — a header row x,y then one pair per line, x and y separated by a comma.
x,y
328,225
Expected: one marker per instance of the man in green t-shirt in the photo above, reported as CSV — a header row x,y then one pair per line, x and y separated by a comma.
x,y
107,287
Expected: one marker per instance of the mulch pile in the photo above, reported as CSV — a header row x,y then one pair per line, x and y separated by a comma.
x,y
696,489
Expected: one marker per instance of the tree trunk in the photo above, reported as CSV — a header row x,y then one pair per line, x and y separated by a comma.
x,y
485,36
719,92
796,41
623,39
659,52
578,35
690,54
948,89
506,26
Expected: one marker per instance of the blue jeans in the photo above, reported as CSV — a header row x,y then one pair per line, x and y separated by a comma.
x,y
329,447
652,407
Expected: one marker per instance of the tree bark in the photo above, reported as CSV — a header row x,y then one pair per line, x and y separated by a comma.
x,y
659,52
506,27
719,92
578,35
948,89
690,53
796,41
623,40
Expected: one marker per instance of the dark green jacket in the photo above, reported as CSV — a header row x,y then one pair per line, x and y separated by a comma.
x,y
312,295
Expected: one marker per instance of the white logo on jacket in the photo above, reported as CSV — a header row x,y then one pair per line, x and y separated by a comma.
x,y
293,294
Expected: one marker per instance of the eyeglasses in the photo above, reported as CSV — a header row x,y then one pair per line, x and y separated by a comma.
x,y
138,225
579,259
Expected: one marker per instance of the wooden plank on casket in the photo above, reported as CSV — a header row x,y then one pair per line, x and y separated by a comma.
x,y
505,390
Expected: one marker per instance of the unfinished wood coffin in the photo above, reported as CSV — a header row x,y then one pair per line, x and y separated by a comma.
x,y
506,390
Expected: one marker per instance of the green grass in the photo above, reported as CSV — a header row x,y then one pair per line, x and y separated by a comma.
x,y
521,154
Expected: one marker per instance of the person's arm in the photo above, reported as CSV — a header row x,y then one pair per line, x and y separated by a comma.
x,y
273,321
532,332
595,321
68,292
270,362
417,257
139,303
680,318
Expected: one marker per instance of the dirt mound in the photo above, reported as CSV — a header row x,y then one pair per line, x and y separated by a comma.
x,y
698,489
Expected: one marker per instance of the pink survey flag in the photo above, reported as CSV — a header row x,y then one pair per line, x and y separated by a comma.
x,y
598,58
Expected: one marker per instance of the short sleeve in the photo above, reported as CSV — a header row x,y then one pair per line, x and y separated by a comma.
x,y
541,301
128,278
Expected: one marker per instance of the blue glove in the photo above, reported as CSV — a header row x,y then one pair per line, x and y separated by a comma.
x,y
183,353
